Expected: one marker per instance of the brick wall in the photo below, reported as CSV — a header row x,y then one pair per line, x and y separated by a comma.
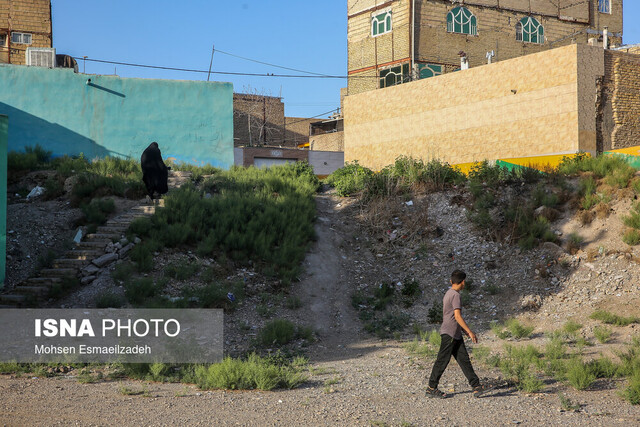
x,y
520,107
297,130
24,16
563,22
257,120
333,141
620,101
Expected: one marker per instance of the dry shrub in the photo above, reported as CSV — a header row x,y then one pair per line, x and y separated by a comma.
x,y
586,217
626,193
386,214
602,210
592,254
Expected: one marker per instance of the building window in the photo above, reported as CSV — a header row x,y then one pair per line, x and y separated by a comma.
x,y
381,24
3,40
529,30
604,6
21,38
394,76
429,70
460,20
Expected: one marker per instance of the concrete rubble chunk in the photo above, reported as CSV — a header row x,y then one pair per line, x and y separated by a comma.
x,y
90,270
124,251
105,259
87,280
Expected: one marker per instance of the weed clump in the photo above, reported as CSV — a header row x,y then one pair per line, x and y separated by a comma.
x,y
613,319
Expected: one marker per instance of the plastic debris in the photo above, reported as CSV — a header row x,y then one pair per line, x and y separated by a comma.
x,y
78,236
37,191
231,297
409,203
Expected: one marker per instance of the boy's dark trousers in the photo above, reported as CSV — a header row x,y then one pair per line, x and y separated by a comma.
x,y
450,347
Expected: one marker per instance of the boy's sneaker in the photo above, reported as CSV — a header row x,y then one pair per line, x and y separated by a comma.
x,y
481,389
434,392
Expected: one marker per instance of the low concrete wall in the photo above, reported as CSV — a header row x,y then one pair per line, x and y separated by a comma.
x,y
192,121
326,162
539,104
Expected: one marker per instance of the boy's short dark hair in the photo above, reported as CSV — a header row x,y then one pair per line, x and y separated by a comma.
x,y
458,276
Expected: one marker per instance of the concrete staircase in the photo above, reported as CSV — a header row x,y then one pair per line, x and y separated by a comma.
x,y
35,290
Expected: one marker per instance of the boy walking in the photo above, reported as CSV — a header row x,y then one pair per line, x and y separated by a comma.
x,y
452,344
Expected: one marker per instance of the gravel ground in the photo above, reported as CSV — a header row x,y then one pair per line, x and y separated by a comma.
x,y
358,380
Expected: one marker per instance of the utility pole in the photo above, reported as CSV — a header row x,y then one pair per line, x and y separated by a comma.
x,y
213,49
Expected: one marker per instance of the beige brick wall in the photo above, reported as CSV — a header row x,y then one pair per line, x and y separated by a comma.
x,y
474,114
333,141
297,130
564,21
24,16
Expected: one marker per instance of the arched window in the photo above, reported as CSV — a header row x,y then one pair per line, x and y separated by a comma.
x,y
381,23
460,20
529,30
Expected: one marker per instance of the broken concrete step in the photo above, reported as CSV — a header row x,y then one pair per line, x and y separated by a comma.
x,y
59,272
43,281
82,254
148,210
13,298
93,244
7,306
104,236
112,229
32,290
70,263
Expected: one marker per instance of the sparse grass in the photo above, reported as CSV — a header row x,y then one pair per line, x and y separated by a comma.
x,y
493,289
182,270
602,334
123,271
571,327
633,219
109,299
293,302
435,313
68,284
512,328
32,158
516,366
574,242
613,319
567,404
138,291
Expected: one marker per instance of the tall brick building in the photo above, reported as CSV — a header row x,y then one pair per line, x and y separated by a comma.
x,y
23,24
394,41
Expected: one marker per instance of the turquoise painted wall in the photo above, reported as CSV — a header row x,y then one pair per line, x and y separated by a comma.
x,y
4,124
192,121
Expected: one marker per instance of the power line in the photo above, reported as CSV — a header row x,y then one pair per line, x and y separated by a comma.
x,y
189,70
271,65
313,117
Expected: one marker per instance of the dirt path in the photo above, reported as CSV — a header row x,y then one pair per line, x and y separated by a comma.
x,y
354,380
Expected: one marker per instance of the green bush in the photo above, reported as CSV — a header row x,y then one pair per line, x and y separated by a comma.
x,y
181,270
518,330
435,313
579,375
138,291
631,237
214,295
96,212
632,392
33,158
633,220
278,332
350,179
253,373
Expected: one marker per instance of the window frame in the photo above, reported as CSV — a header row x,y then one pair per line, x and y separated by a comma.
x,y
3,40
604,6
20,39
467,18
387,21
435,69
527,28
402,75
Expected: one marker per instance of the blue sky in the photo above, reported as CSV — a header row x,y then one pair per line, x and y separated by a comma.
x,y
304,35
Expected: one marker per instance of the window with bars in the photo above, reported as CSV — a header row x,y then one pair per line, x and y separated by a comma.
x,y
381,24
529,30
461,20
604,6
394,75
21,38
429,70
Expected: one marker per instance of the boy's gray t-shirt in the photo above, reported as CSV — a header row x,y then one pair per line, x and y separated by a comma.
x,y
450,303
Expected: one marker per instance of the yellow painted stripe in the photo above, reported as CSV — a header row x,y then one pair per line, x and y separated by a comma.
x,y
632,151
